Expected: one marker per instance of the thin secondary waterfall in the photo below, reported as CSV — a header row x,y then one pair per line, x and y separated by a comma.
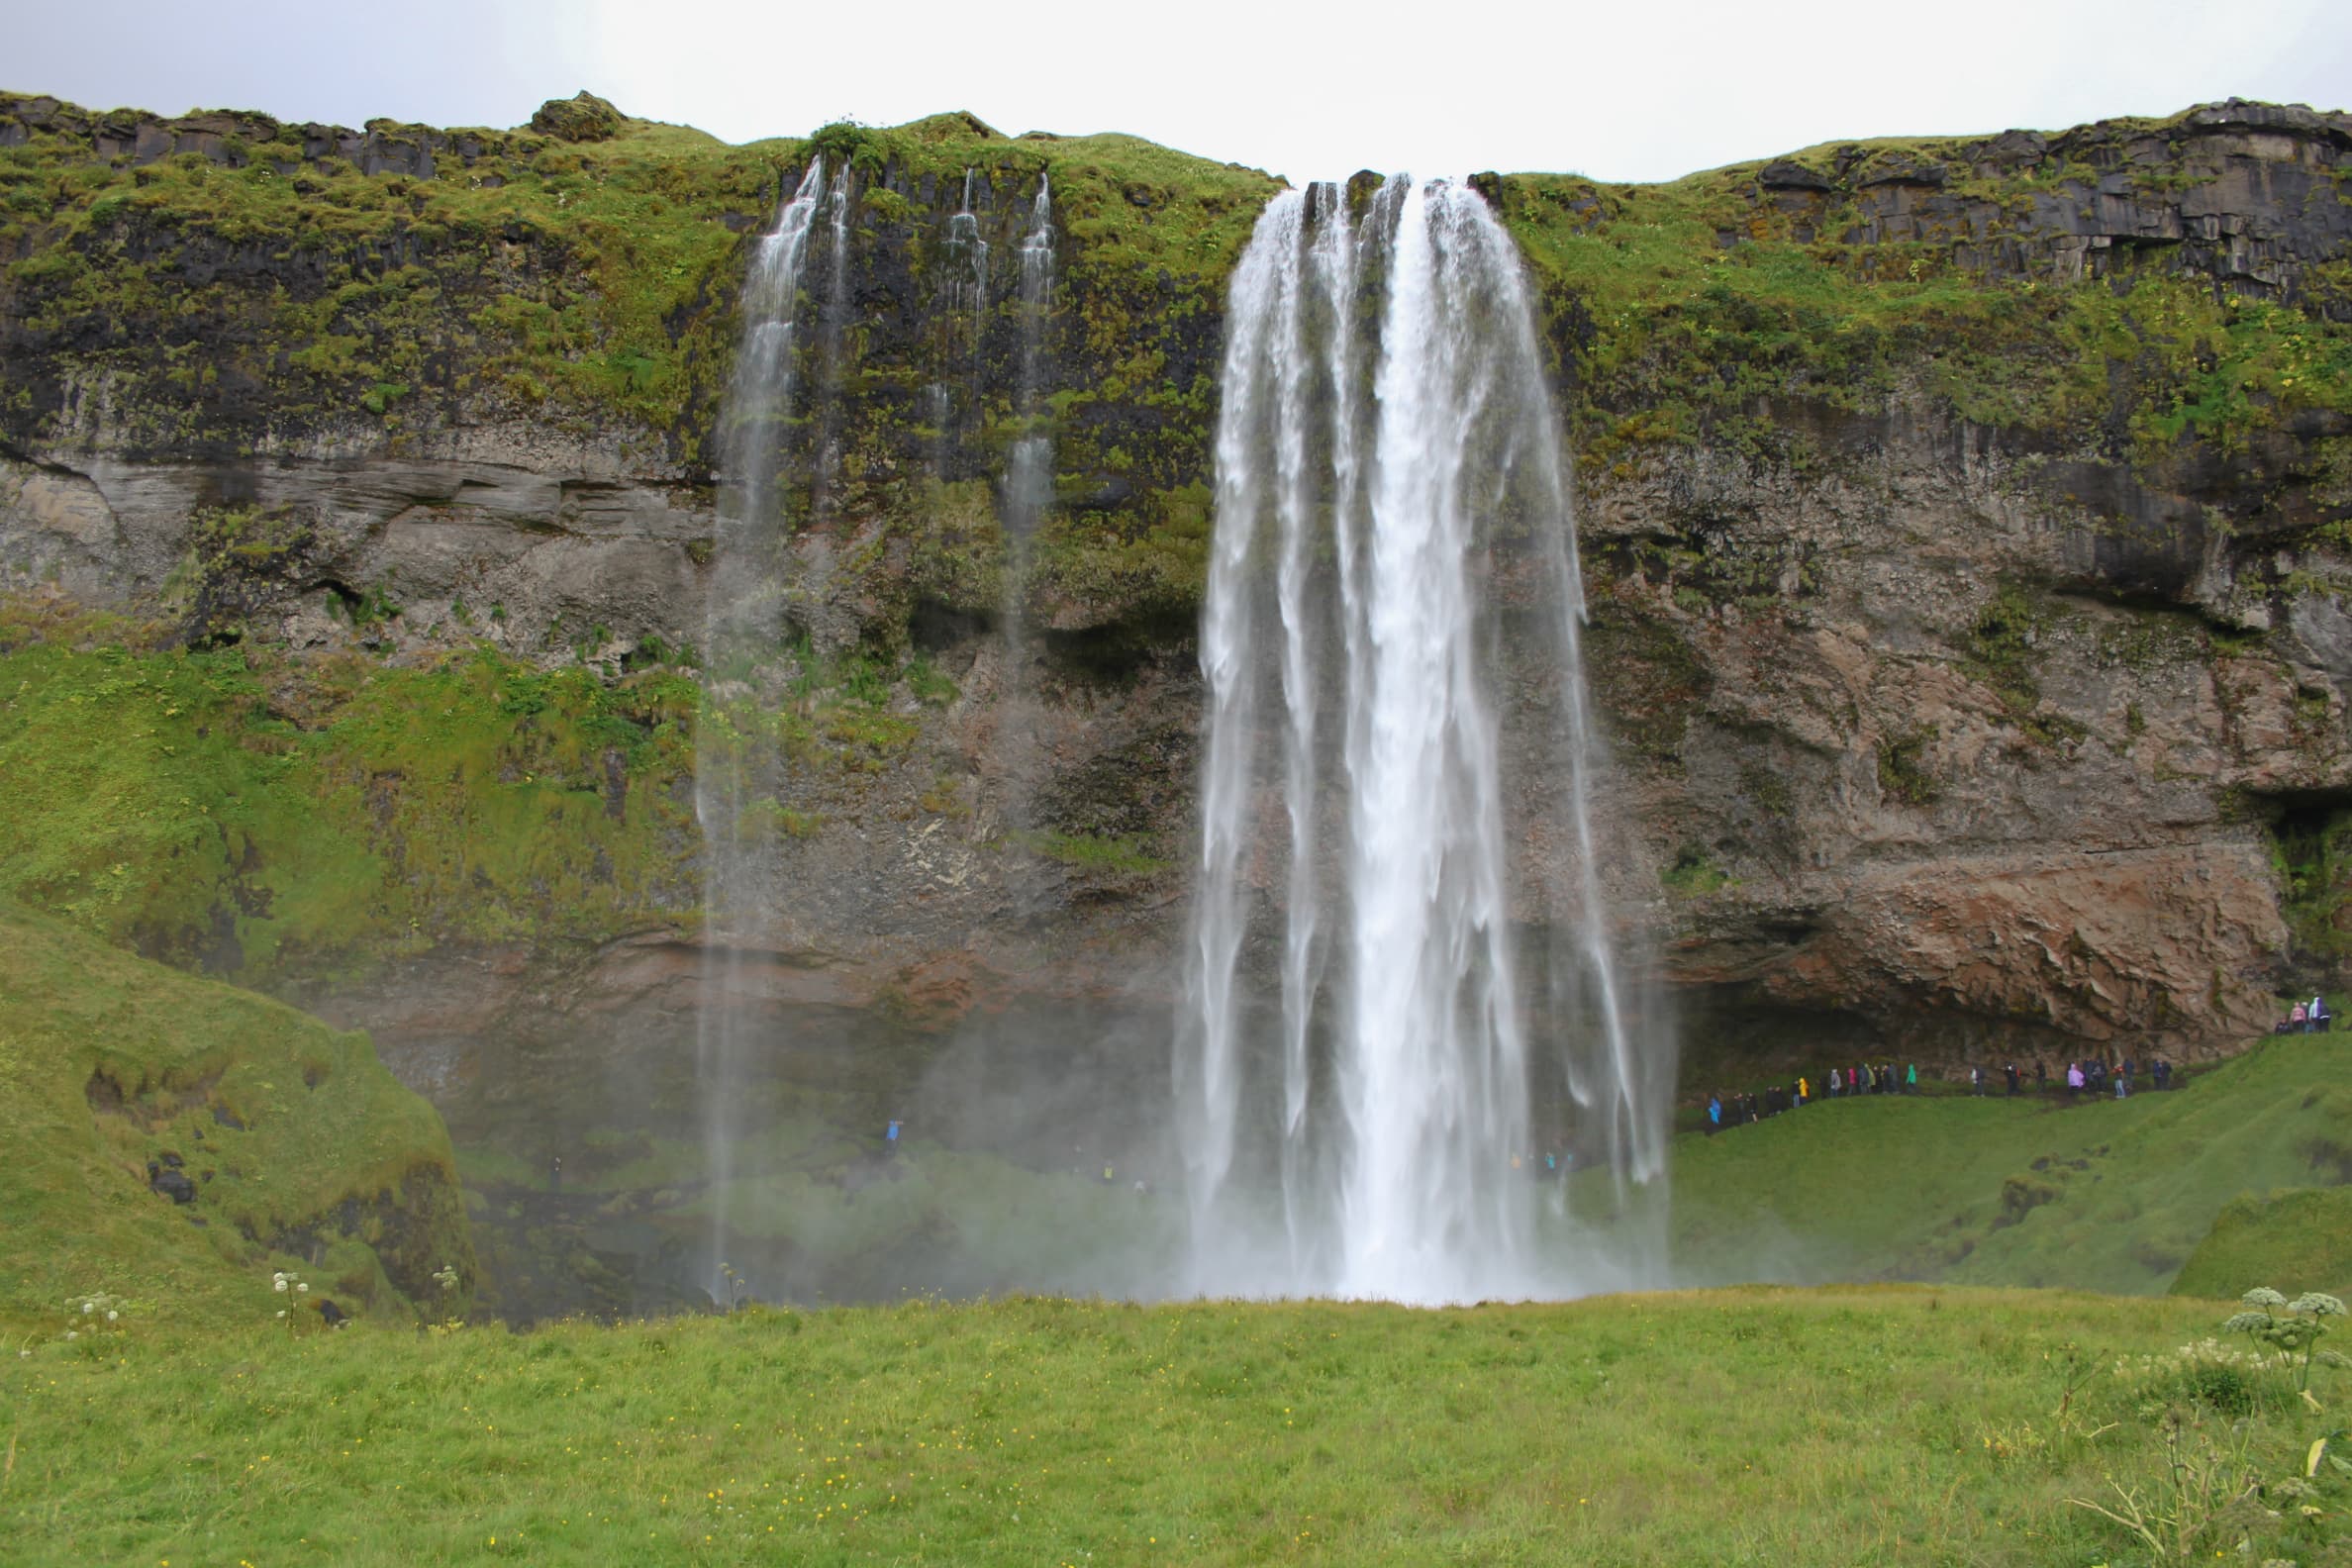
x,y
1388,455
1016,756
961,311
1030,475
744,619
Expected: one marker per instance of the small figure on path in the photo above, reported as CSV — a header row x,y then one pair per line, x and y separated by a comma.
x,y
890,1140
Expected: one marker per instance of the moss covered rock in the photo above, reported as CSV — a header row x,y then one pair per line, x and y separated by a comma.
x,y
584,117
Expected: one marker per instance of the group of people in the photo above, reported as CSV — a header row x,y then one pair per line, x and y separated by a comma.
x,y
2098,1075
1725,1109
2307,1018
1732,1110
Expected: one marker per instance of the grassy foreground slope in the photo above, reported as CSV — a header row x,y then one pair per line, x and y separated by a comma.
x,y
1883,1425
301,1151
2095,1195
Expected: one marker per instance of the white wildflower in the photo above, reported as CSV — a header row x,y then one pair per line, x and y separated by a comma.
x,y
112,1314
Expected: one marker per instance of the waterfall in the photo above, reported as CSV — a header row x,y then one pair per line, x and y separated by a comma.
x,y
1016,756
1389,471
734,790
961,310
1030,475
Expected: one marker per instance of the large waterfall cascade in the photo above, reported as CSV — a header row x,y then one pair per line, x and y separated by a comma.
x,y
1387,451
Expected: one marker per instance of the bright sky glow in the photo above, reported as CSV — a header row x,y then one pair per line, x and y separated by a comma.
x,y
1629,92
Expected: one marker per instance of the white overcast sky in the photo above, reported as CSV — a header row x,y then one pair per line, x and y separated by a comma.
x,y
1628,91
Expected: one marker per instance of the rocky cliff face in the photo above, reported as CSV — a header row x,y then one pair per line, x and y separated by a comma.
x,y
1965,522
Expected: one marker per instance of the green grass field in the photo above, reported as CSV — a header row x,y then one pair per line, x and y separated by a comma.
x,y
1834,1426
1907,1424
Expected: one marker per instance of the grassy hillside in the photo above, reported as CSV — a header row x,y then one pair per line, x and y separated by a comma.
x,y
1747,1427
301,1151
2099,1195
2303,1235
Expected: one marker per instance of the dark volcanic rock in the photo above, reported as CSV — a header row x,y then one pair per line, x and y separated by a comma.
x,y
171,1181
1788,174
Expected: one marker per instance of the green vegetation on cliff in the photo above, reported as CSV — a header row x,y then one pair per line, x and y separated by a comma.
x,y
298,1149
249,812
585,281
1854,275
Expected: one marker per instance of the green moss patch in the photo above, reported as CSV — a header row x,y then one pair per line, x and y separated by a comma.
x,y
247,811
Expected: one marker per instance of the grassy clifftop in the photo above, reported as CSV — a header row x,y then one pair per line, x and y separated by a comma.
x,y
275,279
296,1148
2135,288
2173,296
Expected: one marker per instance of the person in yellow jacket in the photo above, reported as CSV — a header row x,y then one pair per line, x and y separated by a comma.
x,y
1804,1090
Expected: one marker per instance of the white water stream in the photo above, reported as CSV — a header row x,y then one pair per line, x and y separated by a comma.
x,y
1358,1059
744,619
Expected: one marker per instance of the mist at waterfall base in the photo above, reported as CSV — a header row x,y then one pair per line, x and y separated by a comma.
x,y
1402,1001
1386,425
